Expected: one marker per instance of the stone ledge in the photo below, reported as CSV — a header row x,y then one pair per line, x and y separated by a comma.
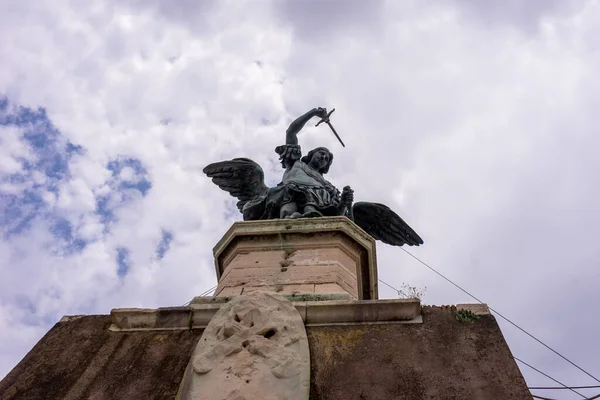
x,y
291,297
313,313
301,225
69,318
479,309
361,311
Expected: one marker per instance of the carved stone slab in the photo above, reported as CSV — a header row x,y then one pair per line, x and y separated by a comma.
x,y
255,347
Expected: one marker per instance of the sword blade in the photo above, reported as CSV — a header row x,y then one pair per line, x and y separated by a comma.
x,y
350,213
335,133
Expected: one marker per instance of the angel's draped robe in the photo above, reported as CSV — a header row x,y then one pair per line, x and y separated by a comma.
x,y
300,184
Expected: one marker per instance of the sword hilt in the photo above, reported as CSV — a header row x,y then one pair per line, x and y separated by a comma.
x,y
325,118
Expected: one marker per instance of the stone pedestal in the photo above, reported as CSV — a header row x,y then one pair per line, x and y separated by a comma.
x,y
316,255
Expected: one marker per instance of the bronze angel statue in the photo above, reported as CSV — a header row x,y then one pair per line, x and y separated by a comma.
x,y
303,191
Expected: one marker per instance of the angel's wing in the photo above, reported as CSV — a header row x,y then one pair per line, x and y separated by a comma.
x,y
241,177
384,224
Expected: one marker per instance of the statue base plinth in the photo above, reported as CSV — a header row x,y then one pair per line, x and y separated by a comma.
x,y
297,256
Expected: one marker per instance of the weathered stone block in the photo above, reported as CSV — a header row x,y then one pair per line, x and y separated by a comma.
x,y
331,252
231,291
202,314
255,347
282,289
362,311
328,288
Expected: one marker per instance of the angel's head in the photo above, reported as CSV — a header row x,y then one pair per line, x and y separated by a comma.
x,y
319,159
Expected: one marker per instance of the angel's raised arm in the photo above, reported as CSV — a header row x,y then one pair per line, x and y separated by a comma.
x,y
291,135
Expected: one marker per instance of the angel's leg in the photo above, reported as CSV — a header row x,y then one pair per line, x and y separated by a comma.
x,y
310,211
287,210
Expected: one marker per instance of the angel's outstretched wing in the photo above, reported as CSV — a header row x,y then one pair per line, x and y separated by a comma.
x,y
241,177
384,224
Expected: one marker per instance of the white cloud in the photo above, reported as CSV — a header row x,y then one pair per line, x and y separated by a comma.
x,y
482,135
13,150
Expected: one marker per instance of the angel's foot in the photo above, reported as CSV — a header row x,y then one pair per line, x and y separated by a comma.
x,y
311,214
295,215
288,210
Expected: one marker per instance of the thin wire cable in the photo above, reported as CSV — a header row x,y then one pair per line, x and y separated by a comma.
x,y
548,398
546,375
209,290
549,377
562,388
390,286
203,294
504,318
541,398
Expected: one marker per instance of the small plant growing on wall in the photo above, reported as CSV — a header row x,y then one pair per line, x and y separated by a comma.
x,y
466,316
411,292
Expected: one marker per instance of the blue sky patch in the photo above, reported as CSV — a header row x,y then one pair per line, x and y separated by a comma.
x,y
51,150
51,155
63,231
164,245
104,210
129,180
123,263
138,181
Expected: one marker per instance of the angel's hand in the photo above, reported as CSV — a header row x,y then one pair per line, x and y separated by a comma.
x,y
320,112
347,196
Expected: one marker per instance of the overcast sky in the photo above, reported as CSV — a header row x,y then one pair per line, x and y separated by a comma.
x,y
476,122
